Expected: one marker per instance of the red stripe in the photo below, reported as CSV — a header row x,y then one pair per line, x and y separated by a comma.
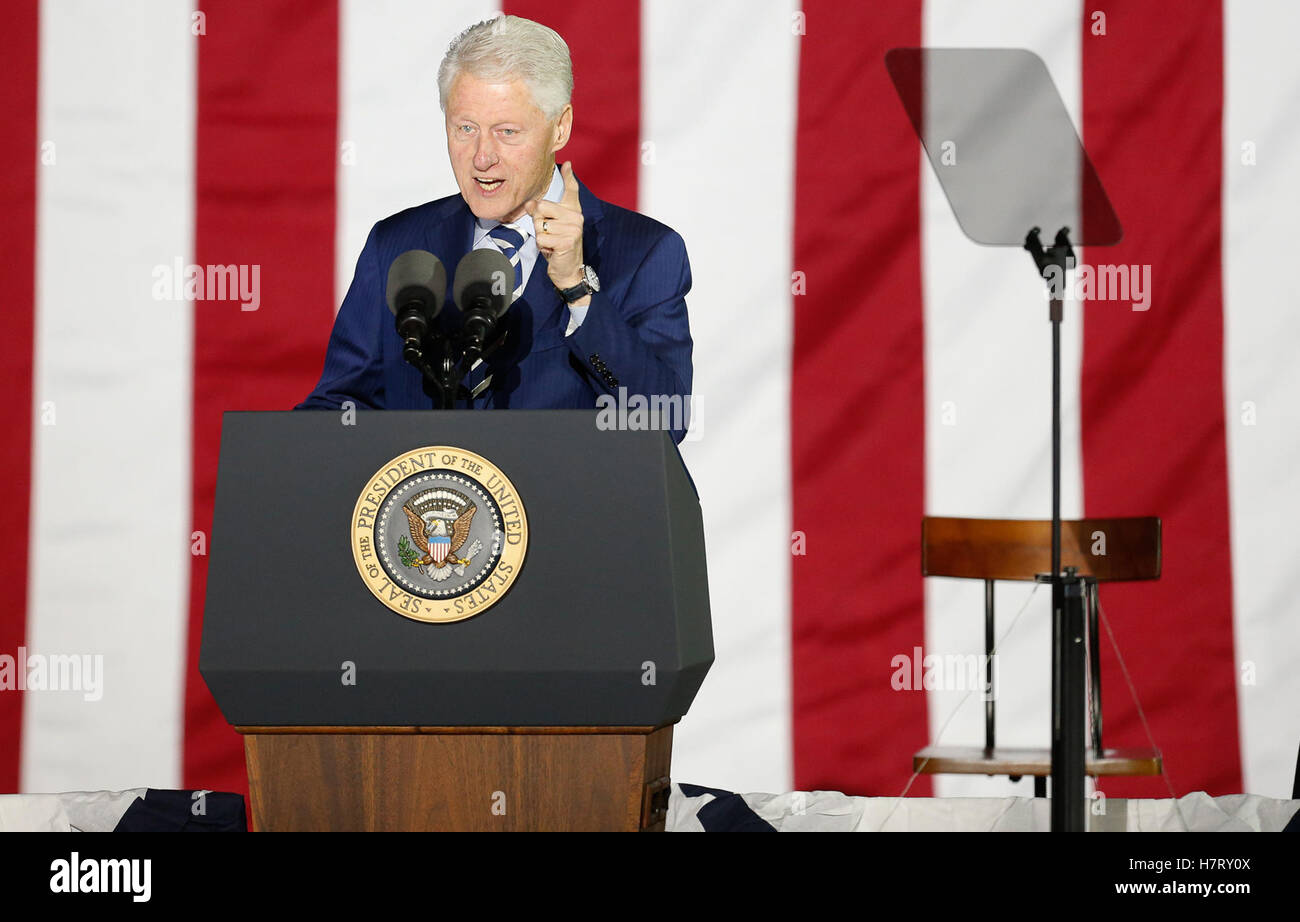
x,y
264,173
857,420
605,44
19,49
1152,389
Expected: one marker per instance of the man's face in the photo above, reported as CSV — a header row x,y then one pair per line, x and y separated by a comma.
x,y
501,146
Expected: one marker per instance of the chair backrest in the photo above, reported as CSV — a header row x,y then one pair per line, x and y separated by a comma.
x,y
1105,549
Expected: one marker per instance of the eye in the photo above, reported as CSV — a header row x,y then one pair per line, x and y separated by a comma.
x,y
510,132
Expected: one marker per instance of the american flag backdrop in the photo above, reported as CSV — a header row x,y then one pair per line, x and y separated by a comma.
x,y
858,362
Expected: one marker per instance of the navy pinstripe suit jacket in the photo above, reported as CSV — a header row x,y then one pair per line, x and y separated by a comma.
x,y
635,334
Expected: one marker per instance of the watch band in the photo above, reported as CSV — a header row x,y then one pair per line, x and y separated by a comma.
x,y
590,283
580,290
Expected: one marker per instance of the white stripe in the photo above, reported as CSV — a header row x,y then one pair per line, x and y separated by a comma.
x,y
988,361
393,149
111,506
737,735
1261,329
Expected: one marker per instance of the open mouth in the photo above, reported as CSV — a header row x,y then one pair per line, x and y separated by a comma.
x,y
489,185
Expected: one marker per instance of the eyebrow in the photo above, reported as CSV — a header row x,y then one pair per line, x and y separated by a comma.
x,y
509,122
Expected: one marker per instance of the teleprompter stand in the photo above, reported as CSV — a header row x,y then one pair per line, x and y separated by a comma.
x,y
1010,162
1068,651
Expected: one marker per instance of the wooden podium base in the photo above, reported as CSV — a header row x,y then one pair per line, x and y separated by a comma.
x,y
471,779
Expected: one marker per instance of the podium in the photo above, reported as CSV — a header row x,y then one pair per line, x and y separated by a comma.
x,y
425,620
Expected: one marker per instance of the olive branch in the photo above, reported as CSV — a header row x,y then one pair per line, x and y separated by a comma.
x,y
407,552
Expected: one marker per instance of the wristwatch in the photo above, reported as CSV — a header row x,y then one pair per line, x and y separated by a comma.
x,y
588,284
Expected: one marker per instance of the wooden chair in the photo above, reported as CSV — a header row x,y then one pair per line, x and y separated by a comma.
x,y
1011,549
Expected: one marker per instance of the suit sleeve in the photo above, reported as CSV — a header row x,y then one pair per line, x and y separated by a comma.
x,y
643,343
354,359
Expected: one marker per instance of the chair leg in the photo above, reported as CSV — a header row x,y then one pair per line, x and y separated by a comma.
x,y
1095,666
1040,785
989,715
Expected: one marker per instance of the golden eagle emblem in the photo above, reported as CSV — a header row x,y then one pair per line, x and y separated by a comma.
x,y
440,547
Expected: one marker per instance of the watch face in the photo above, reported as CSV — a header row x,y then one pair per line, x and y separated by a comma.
x,y
590,275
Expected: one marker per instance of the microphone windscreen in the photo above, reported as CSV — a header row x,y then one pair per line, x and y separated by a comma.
x,y
417,274
484,276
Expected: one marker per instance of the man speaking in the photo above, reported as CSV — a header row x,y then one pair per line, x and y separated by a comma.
x,y
599,290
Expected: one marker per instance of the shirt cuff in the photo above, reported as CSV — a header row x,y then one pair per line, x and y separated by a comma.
x,y
576,316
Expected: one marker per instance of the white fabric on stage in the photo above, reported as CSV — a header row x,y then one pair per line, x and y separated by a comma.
x,y
827,811
74,811
798,811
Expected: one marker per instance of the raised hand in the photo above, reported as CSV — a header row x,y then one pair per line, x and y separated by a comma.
x,y
558,226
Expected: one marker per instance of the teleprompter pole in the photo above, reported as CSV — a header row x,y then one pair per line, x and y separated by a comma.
x,y
1068,810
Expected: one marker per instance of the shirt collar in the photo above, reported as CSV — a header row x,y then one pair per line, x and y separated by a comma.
x,y
525,223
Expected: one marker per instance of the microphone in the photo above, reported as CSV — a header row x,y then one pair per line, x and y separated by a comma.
x,y
417,284
484,288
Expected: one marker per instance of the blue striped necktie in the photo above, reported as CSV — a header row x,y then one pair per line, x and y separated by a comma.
x,y
510,242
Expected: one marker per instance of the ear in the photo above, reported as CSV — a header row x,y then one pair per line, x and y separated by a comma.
x,y
563,128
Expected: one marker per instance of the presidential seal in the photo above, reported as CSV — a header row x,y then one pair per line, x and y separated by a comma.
x,y
439,534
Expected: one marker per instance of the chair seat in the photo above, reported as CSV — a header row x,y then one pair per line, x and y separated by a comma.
x,y
976,760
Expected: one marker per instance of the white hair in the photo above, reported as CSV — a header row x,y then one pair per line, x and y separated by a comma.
x,y
511,47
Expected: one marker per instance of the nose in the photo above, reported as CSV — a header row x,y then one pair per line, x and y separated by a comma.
x,y
485,154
